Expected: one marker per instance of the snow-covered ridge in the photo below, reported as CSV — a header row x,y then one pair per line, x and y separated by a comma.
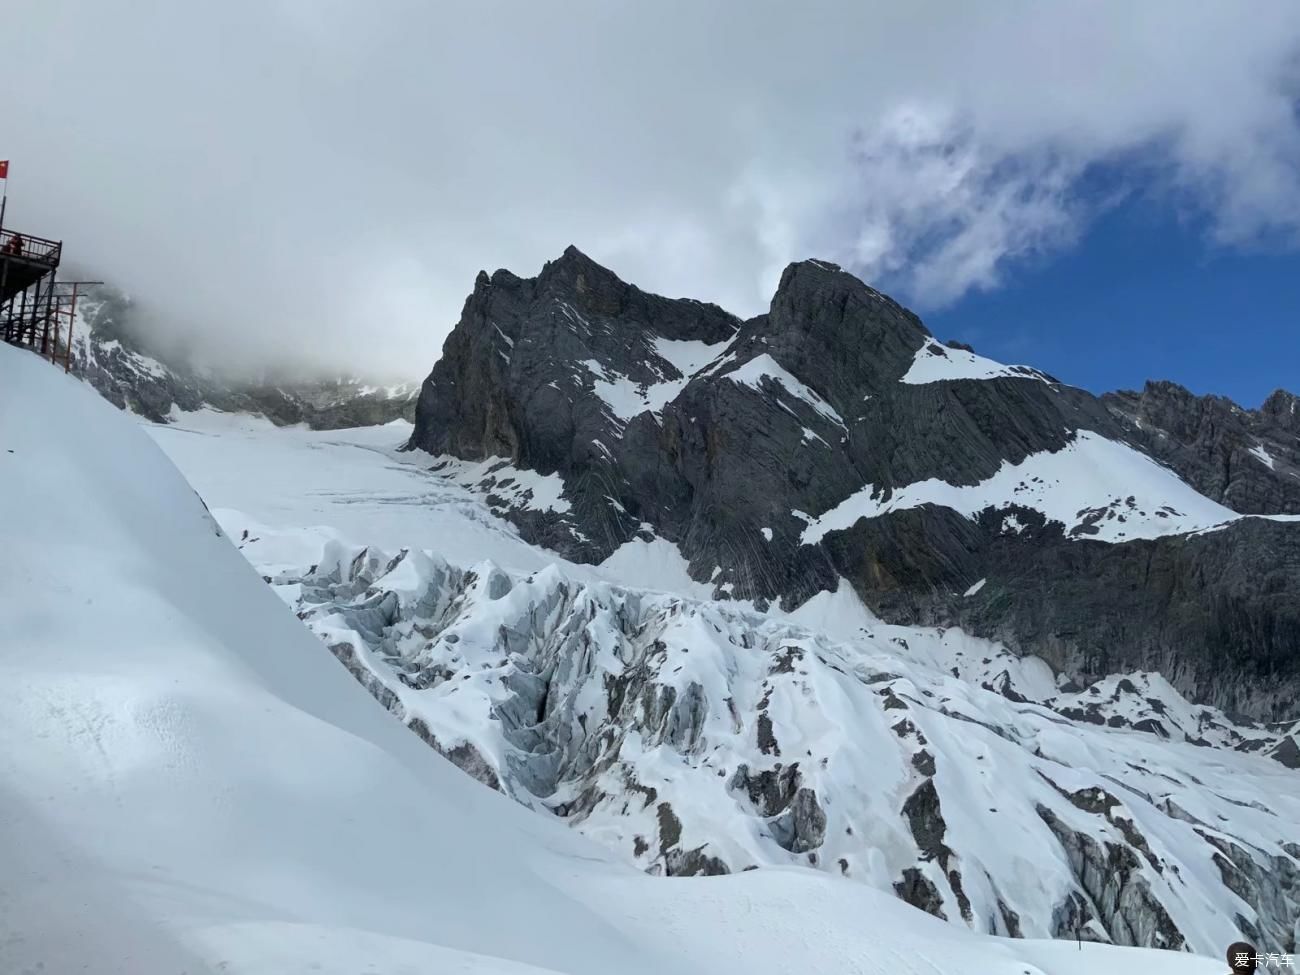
x,y
1096,488
941,363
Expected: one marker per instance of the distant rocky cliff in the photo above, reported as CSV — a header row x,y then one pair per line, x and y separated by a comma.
x,y
1248,460
126,371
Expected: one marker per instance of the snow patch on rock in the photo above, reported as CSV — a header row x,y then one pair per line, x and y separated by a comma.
x,y
762,371
1263,456
939,363
1097,488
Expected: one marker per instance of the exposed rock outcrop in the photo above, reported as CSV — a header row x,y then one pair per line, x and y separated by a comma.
x,y
833,438
1248,460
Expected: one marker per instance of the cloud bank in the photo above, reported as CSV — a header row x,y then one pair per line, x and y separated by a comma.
x,y
316,182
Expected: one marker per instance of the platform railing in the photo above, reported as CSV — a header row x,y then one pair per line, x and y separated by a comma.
x,y
16,244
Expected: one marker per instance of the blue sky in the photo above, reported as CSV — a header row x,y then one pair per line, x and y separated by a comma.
x,y
1143,295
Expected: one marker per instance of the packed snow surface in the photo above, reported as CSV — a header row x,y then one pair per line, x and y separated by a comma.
x,y
192,784
940,363
762,371
306,487
1097,488
626,398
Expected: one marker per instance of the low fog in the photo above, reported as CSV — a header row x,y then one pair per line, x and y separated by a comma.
x,y
315,183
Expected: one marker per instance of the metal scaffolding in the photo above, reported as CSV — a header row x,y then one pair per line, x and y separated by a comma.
x,y
37,311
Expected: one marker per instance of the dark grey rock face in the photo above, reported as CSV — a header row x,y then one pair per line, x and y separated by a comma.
x,y
781,418
1248,460
129,374
1218,613
516,377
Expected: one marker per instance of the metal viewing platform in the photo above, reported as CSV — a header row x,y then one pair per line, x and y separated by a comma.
x,y
36,310
24,261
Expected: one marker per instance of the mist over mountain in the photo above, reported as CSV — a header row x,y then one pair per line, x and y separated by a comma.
x,y
131,368
312,185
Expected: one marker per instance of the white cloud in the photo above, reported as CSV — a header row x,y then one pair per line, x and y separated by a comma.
x,y
941,215
320,182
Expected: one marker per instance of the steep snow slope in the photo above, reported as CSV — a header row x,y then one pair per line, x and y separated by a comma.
x,y
191,784
1096,488
943,363
175,740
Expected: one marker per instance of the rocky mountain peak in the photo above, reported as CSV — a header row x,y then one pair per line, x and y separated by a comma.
x,y
121,362
593,288
837,333
1248,460
833,442
1283,408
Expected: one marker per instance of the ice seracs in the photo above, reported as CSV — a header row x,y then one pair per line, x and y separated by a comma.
x,y
692,737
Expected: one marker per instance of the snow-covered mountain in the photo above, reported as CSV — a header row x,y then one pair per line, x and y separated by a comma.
x,y
814,599
191,784
834,440
694,736
122,364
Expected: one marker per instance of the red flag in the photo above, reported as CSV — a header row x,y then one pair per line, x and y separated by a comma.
x,y
4,168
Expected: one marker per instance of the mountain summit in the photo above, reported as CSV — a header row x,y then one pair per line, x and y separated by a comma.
x,y
834,438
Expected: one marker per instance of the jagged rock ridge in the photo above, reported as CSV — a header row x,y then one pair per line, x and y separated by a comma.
x,y
1248,460
834,438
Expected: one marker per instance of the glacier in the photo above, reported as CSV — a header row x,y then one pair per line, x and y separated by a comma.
x,y
191,783
620,699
